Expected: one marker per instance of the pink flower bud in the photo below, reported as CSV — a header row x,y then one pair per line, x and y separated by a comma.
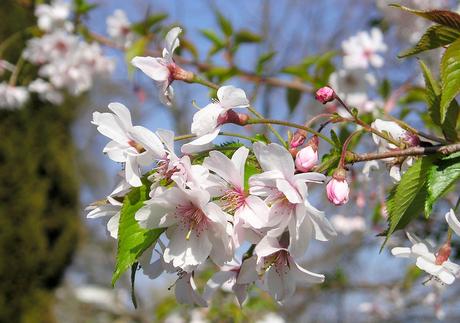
x,y
306,159
231,116
337,189
412,139
325,95
298,139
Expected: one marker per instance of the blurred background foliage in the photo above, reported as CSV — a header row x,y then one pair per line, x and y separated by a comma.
x,y
39,193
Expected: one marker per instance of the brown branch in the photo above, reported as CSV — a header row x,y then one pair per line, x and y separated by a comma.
x,y
413,151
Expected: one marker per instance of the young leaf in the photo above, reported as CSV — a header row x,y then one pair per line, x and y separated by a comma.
x,y
143,27
293,98
450,76
434,37
132,239
225,24
213,37
443,17
433,98
440,179
407,198
263,59
246,36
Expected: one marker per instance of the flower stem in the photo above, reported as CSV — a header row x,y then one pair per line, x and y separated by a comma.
x,y
345,147
289,124
365,125
199,80
222,133
272,129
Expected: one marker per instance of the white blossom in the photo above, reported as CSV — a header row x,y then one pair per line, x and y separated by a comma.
x,y
361,50
207,121
159,68
54,16
12,97
46,91
119,28
135,146
425,255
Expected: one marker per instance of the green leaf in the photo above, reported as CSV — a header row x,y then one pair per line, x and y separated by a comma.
x,y
213,37
441,178
433,98
336,140
144,27
132,239
443,17
407,199
136,49
82,7
225,24
385,89
434,37
246,36
263,59
293,97
450,76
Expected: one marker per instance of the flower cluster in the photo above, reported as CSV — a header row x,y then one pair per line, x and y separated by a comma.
x,y
67,63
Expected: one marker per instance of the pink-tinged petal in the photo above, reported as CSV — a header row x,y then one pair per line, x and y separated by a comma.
x,y
254,212
133,172
110,126
153,216
193,148
323,229
153,67
232,97
200,141
175,251
241,293
198,249
167,137
165,93
289,191
311,177
205,120
148,140
275,284
453,222
267,246
248,273
264,184
302,275
115,151
223,166
198,197
112,225
123,113
274,157
152,270
222,250
216,281
186,291
172,39
300,236
401,252
239,160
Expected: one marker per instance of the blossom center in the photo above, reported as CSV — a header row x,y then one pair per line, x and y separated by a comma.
x,y
279,260
136,146
233,199
192,219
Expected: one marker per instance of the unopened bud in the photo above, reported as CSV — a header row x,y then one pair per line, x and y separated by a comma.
x,y
412,139
325,95
337,189
307,157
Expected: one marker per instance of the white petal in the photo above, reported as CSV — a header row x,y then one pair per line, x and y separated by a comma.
x,y
200,142
239,160
216,281
311,177
254,212
153,67
232,97
112,225
303,275
133,172
274,157
223,166
172,39
123,113
167,137
248,273
453,222
275,284
289,191
148,140
401,252
115,151
267,246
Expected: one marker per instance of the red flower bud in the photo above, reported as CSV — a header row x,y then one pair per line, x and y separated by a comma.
x,y
325,95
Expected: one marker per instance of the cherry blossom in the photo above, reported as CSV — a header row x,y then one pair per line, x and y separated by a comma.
x,y
197,228
54,16
249,210
337,191
46,91
208,121
307,157
111,207
233,277
286,192
135,146
162,69
280,270
426,259
361,50
119,28
12,97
